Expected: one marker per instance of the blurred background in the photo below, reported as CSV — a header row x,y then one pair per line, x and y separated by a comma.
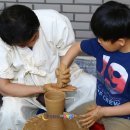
x,y
78,11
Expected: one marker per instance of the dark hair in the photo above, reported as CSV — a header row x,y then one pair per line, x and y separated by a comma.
x,y
111,21
18,24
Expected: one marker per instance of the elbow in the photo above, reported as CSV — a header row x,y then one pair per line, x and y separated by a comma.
x,y
3,93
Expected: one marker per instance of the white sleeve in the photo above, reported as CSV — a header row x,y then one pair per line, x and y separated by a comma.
x,y
6,69
64,34
57,29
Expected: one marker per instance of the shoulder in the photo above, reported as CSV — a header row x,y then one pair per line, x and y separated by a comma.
x,y
47,13
51,19
4,46
90,41
50,16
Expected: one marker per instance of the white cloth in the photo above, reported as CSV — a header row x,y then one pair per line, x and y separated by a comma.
x,y
37,67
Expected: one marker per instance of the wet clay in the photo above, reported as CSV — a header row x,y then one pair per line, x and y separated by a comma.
x,y
62,68
54,101
39,123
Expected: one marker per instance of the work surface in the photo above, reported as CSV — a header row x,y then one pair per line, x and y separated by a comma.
x,y
38,123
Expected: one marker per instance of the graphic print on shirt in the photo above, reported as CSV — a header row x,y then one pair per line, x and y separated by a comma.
x,y
107,97
118,76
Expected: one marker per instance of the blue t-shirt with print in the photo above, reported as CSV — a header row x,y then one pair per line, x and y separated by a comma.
x,y
113,74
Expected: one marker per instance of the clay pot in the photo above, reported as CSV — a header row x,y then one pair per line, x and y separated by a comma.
x,y
54,101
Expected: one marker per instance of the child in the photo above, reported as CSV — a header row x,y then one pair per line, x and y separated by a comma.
x,y
31,46
111,25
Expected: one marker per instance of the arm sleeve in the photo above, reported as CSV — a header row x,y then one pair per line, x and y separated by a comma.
x,y
6,68
57,30
90,46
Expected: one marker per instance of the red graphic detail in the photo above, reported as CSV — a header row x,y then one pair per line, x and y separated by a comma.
x,y
120,82
97,126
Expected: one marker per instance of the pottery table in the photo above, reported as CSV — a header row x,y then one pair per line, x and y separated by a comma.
x,y
39,123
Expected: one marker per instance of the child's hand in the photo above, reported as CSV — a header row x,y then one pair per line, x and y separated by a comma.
x,y
63,75
49,87
93,115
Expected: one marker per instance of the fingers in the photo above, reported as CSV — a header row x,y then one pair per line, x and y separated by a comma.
x,y
66,71
65,81
59,84
57,72
85,118
86,121
54,86
63,75
88,124
68,88
88,114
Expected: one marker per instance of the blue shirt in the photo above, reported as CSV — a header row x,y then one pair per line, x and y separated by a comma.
x,y
113,74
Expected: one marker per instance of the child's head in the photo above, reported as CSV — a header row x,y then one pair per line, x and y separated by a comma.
x,y
111,21
18,24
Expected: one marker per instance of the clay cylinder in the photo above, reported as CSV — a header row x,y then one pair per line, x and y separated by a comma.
x,y
54,101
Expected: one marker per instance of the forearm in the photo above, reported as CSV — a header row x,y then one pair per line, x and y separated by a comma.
x,y
116,110
71,54
19,90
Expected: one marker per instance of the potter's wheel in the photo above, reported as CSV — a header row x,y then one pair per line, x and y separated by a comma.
x,y
38,123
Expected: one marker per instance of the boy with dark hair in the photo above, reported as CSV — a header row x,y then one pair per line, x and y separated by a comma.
x,y
31,46
111,25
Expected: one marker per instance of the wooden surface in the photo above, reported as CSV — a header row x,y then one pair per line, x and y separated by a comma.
x,y
38,123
